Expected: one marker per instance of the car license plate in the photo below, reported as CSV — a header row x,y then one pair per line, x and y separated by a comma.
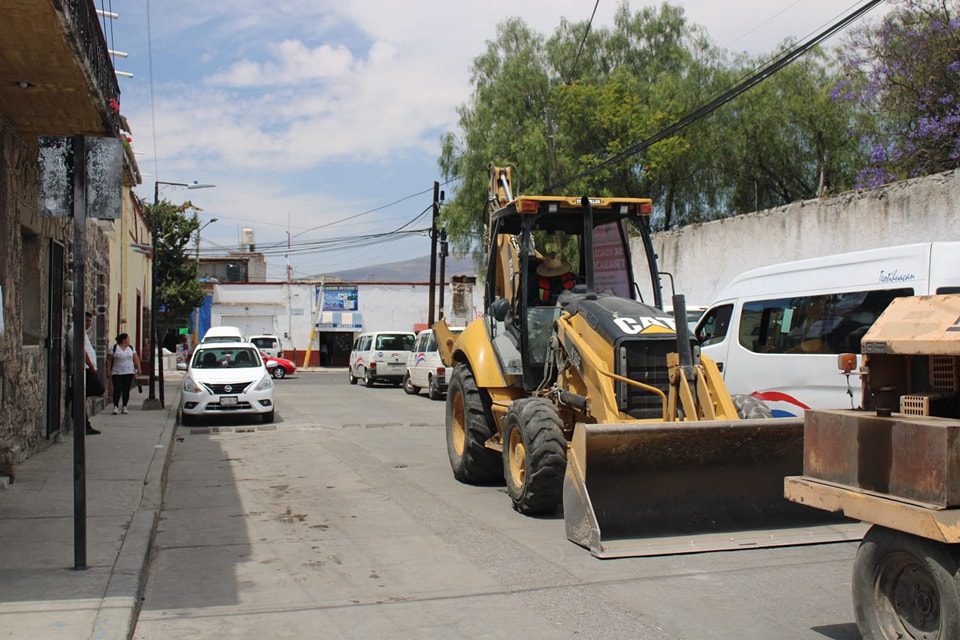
x,y
228,401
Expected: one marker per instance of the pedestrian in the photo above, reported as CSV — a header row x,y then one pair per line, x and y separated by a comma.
x,y
92,385
124,364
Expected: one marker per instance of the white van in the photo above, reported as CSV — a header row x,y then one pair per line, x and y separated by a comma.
x,y
223,334
424,367
380,356
776,331
270,345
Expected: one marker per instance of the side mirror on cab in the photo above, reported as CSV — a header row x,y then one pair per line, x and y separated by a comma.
x,y
499,309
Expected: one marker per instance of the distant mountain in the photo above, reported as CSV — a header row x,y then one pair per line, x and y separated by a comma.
x,y
414,270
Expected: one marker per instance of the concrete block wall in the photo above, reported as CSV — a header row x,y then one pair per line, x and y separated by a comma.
x,y
705,257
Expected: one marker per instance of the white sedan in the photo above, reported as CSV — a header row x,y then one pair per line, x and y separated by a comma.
x,y
226,378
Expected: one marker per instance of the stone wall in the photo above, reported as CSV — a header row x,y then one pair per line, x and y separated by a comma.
x,y
25,240
705,257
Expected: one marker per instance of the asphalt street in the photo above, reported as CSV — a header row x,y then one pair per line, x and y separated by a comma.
x,y
342,520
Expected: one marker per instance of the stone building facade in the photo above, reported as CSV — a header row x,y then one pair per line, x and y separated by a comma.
x,y
58,81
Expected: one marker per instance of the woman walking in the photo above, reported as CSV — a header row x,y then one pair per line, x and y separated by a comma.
x,y
124,364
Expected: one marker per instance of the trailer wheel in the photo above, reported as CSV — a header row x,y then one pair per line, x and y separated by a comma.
x,y
905,586
750,408
534,456
469,426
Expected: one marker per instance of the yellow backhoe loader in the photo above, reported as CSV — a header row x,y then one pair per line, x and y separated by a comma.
x,y
572,389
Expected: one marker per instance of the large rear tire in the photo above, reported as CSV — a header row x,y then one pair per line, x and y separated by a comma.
x,y
534,456
905,586
469,425
352,378
750,408
367,378
434,390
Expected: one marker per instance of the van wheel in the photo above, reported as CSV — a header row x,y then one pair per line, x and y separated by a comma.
x,y
469,425
408,385
434,392
367,379
534,456
905,586
352,378
750,408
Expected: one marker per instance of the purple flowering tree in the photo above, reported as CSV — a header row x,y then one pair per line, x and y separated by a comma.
x,y
904,76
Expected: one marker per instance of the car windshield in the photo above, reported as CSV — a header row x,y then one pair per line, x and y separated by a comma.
x,y
226,358
394,342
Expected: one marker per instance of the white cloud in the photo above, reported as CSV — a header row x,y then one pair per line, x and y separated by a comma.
x,y
294,63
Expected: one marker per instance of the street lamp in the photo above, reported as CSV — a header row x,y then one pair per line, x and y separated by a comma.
x,y
196,318
156,350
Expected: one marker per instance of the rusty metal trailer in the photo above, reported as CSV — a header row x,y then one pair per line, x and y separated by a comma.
x,y
896,465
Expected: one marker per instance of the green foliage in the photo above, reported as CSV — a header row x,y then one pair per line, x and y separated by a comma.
x,y
550,114
178,290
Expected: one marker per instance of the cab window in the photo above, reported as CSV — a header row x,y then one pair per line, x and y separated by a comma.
x,y
713,327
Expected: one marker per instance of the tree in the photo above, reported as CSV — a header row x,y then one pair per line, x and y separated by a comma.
x,y
178,291
904,76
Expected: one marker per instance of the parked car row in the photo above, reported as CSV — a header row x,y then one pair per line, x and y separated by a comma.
x,y
399,358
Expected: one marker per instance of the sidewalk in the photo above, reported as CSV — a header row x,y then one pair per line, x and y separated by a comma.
x,y
41,596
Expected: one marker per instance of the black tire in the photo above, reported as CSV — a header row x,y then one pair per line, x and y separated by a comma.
x,y
750,408
534,478
367,379
351,377
905,586
469,425
433,392
279,372
408,385
187,420
268,417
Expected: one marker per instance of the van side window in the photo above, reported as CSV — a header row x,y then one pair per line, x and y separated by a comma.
x,y
431,345
713,327
421,341
365,343
829,323
945,290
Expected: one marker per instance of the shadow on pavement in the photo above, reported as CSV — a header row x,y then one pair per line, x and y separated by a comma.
x,y
845,631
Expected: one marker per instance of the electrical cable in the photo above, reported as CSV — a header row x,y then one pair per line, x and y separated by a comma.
x,y
153,111
576,60
723,98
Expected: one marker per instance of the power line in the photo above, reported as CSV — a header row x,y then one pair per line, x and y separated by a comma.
x,y
576,60
706,109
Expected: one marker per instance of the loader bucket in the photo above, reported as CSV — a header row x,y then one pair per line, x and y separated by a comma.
x,y
636,489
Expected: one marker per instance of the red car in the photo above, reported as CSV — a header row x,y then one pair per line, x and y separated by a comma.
x,y
278,367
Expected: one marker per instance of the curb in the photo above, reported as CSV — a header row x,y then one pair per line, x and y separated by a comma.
x,y
119,608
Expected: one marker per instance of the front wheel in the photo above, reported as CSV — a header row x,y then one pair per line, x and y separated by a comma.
x,y
469,426
279,372
187,420
408,385
905,586
534,456
367,378
268,417
750,408
352,378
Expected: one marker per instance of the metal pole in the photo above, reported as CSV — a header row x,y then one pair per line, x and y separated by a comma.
x,y
433,254
151,402
78,349
443,269
196,312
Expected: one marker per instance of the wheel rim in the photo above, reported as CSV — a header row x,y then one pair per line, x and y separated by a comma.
x,y
457,428
518,458
908,597
279,372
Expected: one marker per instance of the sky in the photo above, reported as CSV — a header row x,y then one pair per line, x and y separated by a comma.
x,y
303,112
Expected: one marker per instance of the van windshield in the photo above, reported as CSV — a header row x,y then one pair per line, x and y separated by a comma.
x,y
226,358
394,342
264,343
215,339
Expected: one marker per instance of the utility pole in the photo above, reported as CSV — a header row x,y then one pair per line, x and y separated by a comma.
x,y
433,254
78,349
443,269
289,292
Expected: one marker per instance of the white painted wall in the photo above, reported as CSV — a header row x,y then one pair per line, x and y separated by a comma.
x,y
706,257
384,307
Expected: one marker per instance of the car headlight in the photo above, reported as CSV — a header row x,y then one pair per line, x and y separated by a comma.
x,y
264,384
190,386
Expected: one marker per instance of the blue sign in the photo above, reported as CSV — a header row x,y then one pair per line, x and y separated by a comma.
x,y
340,297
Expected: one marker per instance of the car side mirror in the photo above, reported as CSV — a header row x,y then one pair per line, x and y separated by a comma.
x,y
499,309
181,366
